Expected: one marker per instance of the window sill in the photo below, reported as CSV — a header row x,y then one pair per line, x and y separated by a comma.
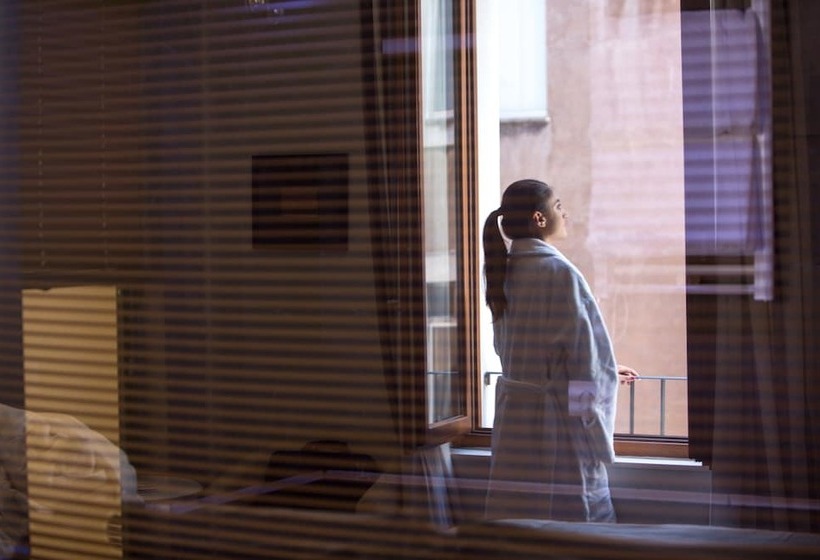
x,y
664,462
625,446
529,117
636,447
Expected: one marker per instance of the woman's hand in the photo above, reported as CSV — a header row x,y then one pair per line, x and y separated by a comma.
x,y
627,375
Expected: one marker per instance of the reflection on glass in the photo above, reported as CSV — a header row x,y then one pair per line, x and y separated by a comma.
x,y
441,231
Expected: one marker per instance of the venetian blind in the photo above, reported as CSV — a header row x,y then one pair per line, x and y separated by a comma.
x,y
198,278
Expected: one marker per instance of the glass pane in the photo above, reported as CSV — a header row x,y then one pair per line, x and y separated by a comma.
x,y
441,225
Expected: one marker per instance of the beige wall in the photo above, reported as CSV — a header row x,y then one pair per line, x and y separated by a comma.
x,y
70,354
70,368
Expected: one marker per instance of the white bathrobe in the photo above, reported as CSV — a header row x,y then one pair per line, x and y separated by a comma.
x,y
555,403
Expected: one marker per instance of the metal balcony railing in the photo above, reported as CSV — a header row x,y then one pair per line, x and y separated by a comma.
x,y
662,380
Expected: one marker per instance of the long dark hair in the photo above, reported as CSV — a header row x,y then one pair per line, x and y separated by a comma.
x,y
518,203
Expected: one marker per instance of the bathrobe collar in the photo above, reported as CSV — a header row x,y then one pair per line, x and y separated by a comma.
x,y
532,246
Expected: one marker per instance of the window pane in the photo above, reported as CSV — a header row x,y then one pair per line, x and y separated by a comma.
x,y
441,226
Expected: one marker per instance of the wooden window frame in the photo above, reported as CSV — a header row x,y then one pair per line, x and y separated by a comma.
x,y
462,430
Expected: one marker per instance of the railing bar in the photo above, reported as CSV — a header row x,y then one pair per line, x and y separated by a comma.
x,y
631,408
663,407
658,377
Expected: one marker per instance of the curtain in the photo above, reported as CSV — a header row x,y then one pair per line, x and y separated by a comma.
x,y
384,114
389,92
764,438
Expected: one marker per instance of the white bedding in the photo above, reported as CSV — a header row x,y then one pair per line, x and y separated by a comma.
x,y
53,466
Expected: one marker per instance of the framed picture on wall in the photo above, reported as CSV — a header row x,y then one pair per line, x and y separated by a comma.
x,y
300,201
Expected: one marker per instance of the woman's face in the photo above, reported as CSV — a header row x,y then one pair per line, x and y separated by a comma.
x,y
556,220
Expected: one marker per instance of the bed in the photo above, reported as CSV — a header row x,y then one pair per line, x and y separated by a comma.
x,y
536,539
385,526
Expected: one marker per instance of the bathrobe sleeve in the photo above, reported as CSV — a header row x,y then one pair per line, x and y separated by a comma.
x,y
591,369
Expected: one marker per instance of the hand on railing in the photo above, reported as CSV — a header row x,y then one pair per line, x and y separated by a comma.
x,y
627,375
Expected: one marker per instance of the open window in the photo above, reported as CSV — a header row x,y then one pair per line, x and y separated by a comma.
x,y
612,99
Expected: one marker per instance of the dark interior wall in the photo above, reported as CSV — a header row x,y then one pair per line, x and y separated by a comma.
x,y
11,377
805,18
149,114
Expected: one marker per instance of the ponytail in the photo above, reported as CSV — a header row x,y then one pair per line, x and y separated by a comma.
x,y
495,265
518,203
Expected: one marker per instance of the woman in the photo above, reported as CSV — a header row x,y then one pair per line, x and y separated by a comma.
x,y
555,402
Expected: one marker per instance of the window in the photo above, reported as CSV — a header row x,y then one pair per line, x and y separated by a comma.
x,y
442,228
518,35
619,85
